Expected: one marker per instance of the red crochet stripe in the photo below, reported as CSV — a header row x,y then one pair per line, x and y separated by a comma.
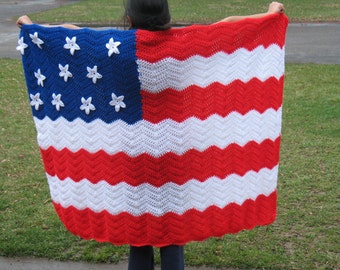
x,y
158,171
215,99
197,40
170,228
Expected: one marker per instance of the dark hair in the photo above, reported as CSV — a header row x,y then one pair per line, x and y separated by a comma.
x,y
148,14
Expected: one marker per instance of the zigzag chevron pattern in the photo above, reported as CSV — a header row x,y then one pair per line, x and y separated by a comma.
x,y
170,227
201,71
193,164
157,201
203,102
249,35
158,138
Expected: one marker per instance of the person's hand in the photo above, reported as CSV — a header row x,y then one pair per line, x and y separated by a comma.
x,y
276,7
23,20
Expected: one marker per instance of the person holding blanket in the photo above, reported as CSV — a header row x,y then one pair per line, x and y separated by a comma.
x,y
154,15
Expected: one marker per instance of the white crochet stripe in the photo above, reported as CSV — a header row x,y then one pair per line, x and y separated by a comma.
x,y
261,63
170,197
158,139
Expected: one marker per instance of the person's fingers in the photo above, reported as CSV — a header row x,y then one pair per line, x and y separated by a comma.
x,y
19,23
281,8
276,7
23,20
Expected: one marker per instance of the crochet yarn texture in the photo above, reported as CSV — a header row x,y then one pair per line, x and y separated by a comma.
x,y
158,138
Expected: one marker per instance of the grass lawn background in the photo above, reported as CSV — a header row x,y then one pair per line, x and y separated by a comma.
x,y
306,233
191,11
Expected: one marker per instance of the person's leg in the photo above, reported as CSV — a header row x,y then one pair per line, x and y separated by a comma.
x,y
172,258
141,258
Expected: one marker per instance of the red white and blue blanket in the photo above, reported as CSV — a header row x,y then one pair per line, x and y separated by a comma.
x,y
158,138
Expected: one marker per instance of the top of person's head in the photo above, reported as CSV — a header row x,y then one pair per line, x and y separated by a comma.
x,y
148,14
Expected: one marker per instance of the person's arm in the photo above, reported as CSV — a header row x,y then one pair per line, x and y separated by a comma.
x,y
26,20
274,7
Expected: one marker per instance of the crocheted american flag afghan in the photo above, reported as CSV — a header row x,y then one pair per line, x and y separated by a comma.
x,y
158,138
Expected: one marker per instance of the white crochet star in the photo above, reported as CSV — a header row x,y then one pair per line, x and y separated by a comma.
x,y
40,77
87,105
36,40
112,46
71,44
64,72
93,74
57,102
36,101
21,46
117,102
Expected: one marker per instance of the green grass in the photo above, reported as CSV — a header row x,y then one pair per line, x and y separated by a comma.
x,y
190,11
305,235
